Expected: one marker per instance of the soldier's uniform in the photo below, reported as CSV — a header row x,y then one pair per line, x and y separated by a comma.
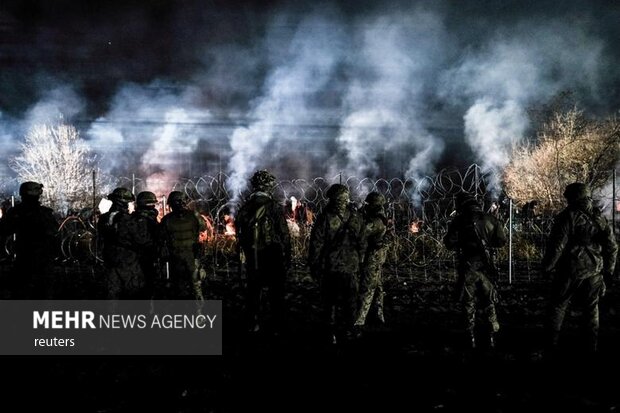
x,y
581,252
471,231
35,229
264,238
116,231
335,257
179,231
146,230
371,286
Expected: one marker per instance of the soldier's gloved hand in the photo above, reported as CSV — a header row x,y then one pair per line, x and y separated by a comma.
x,y
603,289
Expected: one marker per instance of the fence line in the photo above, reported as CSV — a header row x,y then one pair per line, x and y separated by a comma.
x,y
419,212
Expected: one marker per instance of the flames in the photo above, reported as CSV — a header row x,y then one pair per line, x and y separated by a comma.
x,y
291,220
415,226
229,229
298,216
208,233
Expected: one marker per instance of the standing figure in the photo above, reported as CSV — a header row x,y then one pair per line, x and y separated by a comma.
x,y
146,230
124,278
265,241
474,234
35,228
180,230
335,257
371,286
581,253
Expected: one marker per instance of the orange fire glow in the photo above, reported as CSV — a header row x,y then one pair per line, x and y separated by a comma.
x,y
207,234
230,225
415,226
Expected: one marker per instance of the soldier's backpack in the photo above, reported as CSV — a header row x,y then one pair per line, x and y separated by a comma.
x,y
260,228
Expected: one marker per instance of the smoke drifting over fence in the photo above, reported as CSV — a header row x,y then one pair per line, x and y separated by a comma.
x,y
397,90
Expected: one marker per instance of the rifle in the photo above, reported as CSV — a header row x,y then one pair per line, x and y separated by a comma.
x,y
489,261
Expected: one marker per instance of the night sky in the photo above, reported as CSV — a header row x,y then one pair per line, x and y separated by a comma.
x,y
381,89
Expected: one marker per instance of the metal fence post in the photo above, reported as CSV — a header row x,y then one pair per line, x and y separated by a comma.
x,y
510,241
613,202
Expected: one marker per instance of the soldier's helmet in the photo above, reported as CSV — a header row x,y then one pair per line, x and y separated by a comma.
x,y
337,191
375,199
122,196
146,200
177,199
30,189
465,200
263,180
576,191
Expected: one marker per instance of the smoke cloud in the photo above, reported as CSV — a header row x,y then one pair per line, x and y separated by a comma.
x,y
160,128
384,102
513,71
312,57
368,91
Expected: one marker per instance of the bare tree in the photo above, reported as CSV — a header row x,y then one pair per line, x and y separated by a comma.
x,y
56,156
570,147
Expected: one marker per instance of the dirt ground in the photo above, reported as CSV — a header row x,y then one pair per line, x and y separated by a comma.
x,y
415,362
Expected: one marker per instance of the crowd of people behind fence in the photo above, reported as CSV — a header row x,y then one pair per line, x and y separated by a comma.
x,y
145,258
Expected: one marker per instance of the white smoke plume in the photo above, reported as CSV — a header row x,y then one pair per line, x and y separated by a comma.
x,y
512,71
384,103
60,102
368,90
310,61
156,128
492,131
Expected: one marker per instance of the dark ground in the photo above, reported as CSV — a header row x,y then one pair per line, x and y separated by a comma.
x,y
415,362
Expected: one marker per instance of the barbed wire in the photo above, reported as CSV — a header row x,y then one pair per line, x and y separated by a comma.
x,y
419,212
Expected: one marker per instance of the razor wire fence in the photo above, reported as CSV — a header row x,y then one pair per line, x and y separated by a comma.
x,y
418,211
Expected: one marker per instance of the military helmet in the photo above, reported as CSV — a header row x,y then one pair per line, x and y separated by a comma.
x,y
335,191
576,191
146,199
177,197
30,188
464,199
263,180
122,195
375,199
